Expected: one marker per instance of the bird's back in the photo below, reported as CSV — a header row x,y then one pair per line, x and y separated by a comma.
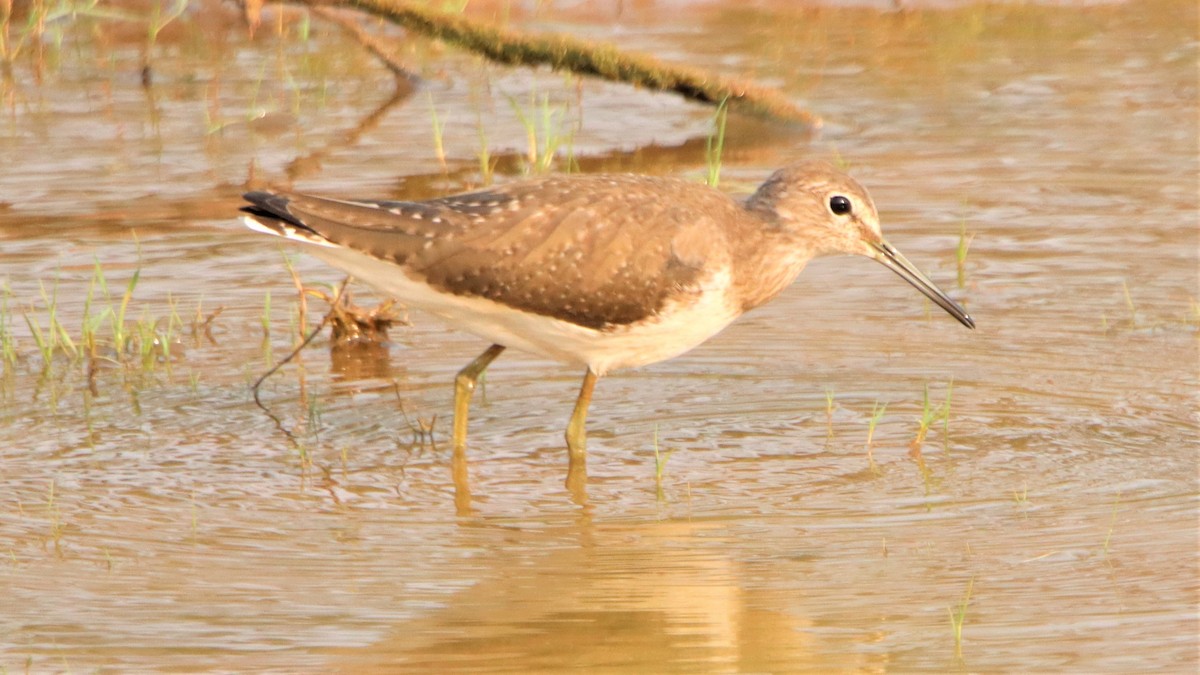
x,y
598,251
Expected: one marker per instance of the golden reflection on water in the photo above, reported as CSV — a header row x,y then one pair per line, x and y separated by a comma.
x,y
152,518
605,597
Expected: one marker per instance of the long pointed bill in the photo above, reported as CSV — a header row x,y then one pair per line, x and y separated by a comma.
x,y
909,272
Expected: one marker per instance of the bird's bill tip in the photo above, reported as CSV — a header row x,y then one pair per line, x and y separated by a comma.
x,y
893,260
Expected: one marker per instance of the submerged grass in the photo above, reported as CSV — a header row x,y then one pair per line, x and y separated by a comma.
x,y
1139,319
54,516
107,335
546,132
487,164
930,416
55,338
876,416
439,128
960,253
714,145
1129,301
958,617
1112,524
42,29
8,350
1022,499
660,467
158,21
828,414
265,319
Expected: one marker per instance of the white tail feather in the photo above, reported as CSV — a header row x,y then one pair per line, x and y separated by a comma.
x,y
279,228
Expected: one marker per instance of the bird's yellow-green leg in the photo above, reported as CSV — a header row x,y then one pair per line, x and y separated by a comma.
x,y
464,387
462,483
577,427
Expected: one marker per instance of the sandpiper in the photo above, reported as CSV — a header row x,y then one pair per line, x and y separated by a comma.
x,y
601,271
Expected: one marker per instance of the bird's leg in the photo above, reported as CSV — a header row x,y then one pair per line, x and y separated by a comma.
x,y
462,486
464,387
577,427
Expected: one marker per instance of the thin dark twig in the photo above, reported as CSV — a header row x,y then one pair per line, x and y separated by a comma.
x,y
258,383
341,293
267,411
420,434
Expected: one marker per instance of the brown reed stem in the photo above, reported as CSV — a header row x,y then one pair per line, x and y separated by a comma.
x,y
562,52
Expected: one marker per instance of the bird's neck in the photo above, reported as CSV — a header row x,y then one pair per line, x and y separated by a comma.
x,y
766,264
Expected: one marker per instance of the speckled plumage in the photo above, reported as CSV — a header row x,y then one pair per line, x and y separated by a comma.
x,y
597,251
608,271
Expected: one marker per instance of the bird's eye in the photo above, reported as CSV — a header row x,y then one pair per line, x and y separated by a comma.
x,y
839,205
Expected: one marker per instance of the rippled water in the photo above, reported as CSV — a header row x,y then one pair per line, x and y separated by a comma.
x,y
157,519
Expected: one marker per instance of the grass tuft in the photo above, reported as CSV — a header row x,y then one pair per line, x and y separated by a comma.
x,y
439,128
8,344
930,416
958,617
265,319
487,165
545,133
105,334
714,145
660,466
1022,499
828,414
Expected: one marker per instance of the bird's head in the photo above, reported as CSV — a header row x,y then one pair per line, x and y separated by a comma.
x,y
828,212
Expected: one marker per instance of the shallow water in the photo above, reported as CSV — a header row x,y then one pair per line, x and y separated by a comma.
x,y
158,520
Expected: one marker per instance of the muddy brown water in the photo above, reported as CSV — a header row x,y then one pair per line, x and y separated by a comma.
x,y
158,520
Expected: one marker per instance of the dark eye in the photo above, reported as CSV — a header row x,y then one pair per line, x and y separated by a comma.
x,y
839,205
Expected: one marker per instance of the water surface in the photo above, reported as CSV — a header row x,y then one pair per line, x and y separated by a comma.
x,y
153,518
